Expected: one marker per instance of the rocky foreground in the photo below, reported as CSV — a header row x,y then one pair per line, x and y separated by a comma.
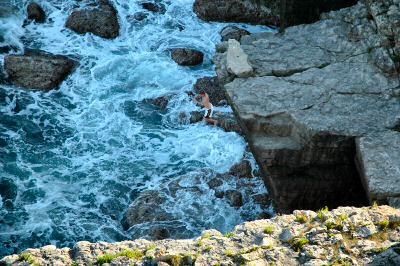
x,y
344,236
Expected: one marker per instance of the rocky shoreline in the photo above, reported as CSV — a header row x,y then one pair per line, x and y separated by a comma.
x,y
344,236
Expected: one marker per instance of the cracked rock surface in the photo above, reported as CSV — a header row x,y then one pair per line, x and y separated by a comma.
x,y
344,236
315,90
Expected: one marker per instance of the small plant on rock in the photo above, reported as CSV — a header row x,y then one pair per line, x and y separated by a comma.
x,y
229,234
299,243
301,218
329,225
106,258
321,215
384,225
268,229
26,257
208,248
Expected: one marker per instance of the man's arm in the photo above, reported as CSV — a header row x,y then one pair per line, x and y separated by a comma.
x,y
195,99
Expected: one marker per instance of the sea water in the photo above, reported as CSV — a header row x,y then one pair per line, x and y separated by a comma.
x,y
72,160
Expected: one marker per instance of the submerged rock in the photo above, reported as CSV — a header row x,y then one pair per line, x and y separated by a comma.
x,y
139,16
238,11
100,19
37,69
187,57
154,7
161,101
242,169
35,12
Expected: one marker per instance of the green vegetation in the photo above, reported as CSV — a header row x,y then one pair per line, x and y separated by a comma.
x,y
198,243
301,218
395,58
75,264
329,225
229,234
370,49
343,217
324,65
151,247
384,225
206,236
269,229
130,253
229,253
339,262
298,244
374,204
250,250
26,257
321,215
208,248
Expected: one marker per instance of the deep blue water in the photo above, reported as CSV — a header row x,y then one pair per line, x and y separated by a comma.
x,y
73,160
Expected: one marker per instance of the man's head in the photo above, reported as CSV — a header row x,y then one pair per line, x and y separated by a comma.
x,y
202,92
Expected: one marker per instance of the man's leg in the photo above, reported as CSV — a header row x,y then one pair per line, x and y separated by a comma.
x,y
211,120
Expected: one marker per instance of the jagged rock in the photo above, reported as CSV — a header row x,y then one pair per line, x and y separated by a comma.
x,y
242,169
154,7
37,69
211,86
100,19
187,57
237,61
378,156
256,242
36,13
234,197
314,91
146,208
238,11
139,16
161,101
232,32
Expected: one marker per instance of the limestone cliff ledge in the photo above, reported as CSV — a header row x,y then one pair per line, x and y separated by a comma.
x,y
345,236
321,111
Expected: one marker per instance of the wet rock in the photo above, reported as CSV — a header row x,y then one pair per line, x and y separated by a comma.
x,y
146,208
100,19
242,169
38,70
8,190
234,197
187,57
229,123
161,101
7,48
36,13
211,86
215,182
158,233
139,16
263,199
238,11
232,32
154,7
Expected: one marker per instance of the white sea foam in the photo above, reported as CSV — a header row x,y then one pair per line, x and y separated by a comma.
x,y
98,146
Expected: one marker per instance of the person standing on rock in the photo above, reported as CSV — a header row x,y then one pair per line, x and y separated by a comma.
x,y
205,101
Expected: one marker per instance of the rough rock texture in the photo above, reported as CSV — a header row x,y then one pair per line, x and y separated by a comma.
x,y
236,60
238,11
161,101
378,156
294,12
36,13
232,32
344,236
100,19
154,7
187,57
37,69
211,86
315,89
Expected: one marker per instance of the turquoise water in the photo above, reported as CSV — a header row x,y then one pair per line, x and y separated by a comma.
x,y
73,160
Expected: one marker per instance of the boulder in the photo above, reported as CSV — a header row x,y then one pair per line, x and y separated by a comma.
x,y
146,208
139,16
237,61
238,11
99,19
232,32
242,169
154,7
234,197
37,69
36,13
161,101
187,57
211,86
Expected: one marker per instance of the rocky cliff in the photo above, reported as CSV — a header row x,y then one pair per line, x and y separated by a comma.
x,y
344,236
321,107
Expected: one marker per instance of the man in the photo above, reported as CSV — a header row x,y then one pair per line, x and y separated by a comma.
x,y
205,101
